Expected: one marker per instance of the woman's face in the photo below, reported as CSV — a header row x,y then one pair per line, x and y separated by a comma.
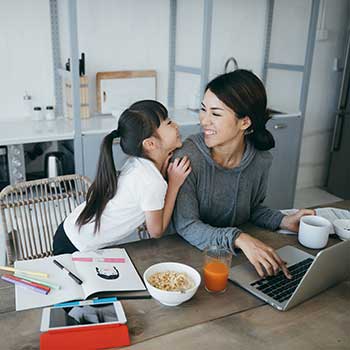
x,y
219,122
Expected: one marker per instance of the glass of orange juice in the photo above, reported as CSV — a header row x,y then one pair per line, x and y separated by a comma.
x,y
217,264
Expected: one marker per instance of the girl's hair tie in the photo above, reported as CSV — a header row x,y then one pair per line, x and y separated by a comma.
x,y
115,133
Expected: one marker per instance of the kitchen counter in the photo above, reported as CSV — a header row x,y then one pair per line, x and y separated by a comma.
x,y
28,131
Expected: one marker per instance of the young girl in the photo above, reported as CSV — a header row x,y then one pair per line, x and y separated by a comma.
x,y
117,204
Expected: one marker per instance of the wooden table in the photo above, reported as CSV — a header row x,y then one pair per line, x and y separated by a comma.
x,y
207,321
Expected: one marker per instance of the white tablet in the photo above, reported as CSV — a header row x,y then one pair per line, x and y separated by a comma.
x,y
82,316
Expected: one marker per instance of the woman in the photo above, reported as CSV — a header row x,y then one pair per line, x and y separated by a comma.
x,y
230,164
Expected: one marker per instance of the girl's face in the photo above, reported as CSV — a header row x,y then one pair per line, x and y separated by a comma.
x,y
220,123
169,135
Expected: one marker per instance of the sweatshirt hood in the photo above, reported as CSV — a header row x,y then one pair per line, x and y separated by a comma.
x,y
248,154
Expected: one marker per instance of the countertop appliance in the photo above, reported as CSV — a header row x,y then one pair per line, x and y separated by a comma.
x,y
339,170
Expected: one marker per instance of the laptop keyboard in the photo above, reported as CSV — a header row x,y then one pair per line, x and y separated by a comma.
x,y
279,287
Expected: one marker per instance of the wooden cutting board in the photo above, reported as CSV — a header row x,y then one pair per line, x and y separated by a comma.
x,y
116,91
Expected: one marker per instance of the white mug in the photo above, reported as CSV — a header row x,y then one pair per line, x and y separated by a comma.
x,y
314,231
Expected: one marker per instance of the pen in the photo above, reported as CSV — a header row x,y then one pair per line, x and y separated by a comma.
x,y
70,274
87,302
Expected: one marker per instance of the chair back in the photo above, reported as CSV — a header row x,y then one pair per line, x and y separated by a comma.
x,y
31,211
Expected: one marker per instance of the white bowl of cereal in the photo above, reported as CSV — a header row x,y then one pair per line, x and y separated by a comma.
x,y
171,283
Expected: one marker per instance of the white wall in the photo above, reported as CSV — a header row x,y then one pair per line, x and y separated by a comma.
x,y
188,50
288,46
120,35
323,96
238,30
25,59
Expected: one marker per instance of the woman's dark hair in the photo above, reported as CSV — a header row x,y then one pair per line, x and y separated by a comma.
x,y
137,123
243,92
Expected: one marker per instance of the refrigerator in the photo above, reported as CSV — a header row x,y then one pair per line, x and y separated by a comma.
x,y
339,169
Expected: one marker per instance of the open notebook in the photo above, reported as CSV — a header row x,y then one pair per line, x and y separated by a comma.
x,y
107,270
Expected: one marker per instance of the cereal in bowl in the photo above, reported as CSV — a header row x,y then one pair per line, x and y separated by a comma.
x,y
171,281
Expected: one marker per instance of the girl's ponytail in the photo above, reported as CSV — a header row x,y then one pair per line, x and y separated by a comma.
x,y
104,186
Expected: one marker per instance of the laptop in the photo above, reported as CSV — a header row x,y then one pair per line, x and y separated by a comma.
x,y
311,275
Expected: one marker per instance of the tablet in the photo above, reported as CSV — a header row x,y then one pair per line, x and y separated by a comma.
x,y
82,316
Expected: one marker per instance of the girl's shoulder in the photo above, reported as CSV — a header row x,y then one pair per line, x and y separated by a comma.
x,y
141,169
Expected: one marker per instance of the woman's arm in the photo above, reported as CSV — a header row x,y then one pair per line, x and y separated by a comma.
x,y
158,220
271,218
260,215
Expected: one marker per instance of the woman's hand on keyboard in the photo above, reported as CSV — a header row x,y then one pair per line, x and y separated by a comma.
x,y
263,257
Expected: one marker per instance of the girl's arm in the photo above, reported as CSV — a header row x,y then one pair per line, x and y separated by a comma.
x,y
158,220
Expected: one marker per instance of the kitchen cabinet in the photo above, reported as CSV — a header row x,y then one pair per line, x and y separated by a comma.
x,y
286,131
91,151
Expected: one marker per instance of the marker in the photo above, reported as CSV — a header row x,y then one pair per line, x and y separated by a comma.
x,y
87,302
11,269
44,283
25,284
29,283
109,260
70,274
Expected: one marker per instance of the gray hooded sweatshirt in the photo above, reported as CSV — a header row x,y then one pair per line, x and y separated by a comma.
x,y
214,200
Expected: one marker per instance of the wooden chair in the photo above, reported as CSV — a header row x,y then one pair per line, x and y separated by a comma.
x,y
31,212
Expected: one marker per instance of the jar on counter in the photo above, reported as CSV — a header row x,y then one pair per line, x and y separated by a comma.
x,y
28,108
37,113
50,113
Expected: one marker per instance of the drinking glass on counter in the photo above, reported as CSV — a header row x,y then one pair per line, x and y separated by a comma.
x,y
217,264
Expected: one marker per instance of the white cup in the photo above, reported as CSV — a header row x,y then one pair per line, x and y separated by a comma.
x,y
314,231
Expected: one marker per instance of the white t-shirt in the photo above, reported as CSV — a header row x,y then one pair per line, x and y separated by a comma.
x,y
141,187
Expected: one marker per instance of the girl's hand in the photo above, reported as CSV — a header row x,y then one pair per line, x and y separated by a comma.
x,y
264,258
291,222
166,165
178,171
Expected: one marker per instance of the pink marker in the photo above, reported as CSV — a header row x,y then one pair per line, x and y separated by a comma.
x,y
25,285
108,260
